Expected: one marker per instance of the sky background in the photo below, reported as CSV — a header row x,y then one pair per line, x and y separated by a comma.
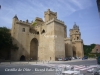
x,y
83,12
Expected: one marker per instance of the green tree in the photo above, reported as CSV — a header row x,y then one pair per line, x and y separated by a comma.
x,y
6,43
88,49
5,38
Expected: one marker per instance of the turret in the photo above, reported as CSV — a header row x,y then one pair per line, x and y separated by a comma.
x,y
15,18
48,15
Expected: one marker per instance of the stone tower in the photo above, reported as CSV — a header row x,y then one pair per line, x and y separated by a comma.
x,y
48,15
77,42
43,41
55,30
75,33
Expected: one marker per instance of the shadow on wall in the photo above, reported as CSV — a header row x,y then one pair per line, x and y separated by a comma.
x,y
66,49
20,54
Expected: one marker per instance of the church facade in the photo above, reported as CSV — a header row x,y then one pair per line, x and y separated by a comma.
x,y
45,40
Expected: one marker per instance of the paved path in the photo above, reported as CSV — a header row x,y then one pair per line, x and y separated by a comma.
x,y
30,68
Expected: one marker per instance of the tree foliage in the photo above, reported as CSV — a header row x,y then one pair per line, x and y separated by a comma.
x,y
88,49
5,38
6,42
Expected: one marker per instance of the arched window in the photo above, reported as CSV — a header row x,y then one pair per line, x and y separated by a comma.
x,y
37,32
77,38
43,31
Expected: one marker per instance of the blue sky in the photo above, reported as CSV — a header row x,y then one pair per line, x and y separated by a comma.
x,y
83,12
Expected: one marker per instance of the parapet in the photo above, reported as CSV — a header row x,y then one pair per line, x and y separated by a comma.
x,y
59,21
56,20
48,12
23,22
38,19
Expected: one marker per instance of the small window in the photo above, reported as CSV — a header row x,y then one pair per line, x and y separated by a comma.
x,y
23,30
77,38
37,32
43,31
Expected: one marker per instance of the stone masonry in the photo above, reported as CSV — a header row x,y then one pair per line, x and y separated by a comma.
x,y
45,40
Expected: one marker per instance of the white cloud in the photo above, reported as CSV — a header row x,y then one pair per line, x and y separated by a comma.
x,y
32,8
81,4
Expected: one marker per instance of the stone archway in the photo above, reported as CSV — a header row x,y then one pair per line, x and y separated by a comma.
x,y
74,51
34,49
22,58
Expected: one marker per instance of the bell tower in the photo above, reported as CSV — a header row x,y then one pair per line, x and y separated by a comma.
x,y
75,33
77,42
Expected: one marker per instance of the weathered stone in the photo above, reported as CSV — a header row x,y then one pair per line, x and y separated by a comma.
x,y
47,40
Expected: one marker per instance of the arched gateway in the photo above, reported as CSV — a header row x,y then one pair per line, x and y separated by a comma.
x,y
22,58
34,49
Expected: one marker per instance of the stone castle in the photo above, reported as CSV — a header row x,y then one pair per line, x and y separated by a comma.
x,y
46,40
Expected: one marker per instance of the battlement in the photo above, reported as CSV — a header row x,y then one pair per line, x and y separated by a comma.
x,y
38,19
60,21
23,22
49,15
56,20
50,12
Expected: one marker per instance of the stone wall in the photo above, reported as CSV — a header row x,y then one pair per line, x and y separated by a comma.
x,y
50,35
